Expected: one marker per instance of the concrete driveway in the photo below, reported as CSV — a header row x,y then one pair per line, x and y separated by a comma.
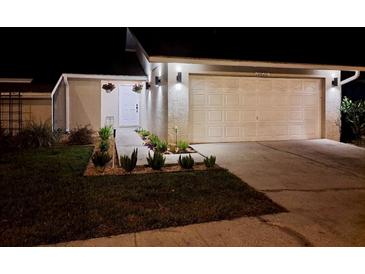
x,y
320,182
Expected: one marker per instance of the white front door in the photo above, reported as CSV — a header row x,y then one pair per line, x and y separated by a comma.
x,y
128,106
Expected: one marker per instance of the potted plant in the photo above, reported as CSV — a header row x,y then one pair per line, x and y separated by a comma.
x,y
137,87
109,87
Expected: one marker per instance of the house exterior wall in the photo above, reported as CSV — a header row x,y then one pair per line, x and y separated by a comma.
x,y
34,109
85,106
178,94
59,107
37,110
154,103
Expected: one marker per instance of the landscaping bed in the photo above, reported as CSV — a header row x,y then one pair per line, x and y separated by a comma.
x,y
45,199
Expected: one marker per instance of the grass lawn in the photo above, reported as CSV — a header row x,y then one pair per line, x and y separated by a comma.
x,y
44,198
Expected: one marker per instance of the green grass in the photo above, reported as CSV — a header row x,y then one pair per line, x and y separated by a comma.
x,y
44,198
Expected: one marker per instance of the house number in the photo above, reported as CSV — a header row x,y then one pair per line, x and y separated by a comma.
x,y
262,74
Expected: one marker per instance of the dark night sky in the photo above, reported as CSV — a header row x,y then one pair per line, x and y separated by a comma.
x,y
303,45
45,53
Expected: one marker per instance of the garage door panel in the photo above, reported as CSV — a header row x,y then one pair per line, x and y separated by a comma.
x,y
248,116
231,100
232,132
215,131
215,99
232,116
227,109
215,116
198,99
249,100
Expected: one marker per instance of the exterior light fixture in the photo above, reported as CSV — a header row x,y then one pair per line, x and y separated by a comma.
x,y
335,82
157,80
179,77
148,85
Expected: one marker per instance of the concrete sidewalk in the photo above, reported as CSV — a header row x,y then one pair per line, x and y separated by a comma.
x,y
127,140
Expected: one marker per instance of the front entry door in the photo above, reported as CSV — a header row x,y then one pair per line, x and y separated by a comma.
x,y
128,106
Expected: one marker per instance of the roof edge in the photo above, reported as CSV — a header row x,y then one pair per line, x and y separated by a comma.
x,y
247,63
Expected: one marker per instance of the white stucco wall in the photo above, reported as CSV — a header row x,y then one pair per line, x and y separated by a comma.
x,y
59,107
154,103
178,94
85,107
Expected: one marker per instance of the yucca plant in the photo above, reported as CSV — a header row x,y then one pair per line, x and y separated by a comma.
x,y
157,161
154,139
105,132
161,146
144,132
101,158
129,163
210,161
186,162
104,145
182,145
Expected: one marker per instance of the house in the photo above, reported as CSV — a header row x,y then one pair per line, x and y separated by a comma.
x,y
209,95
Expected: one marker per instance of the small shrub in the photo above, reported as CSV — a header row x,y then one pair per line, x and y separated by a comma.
x,y
161,146
154,139
104,145
186,162
35,135
182,145
7,141
129,163
58,134
210,161
354,114
101,158
144,132
157,161
105,132
81,136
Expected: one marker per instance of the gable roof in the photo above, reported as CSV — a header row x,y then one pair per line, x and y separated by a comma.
x,y
330,47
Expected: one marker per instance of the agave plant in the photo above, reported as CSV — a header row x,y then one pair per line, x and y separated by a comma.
x,y
157,161
129,163
186,162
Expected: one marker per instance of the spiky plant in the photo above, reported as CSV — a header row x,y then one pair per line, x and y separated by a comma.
x,y
101,158
210,161
161,146
186,162
157,161
129,163
105,132
182,145
104,145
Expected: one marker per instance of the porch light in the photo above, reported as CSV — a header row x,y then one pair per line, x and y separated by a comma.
x,y
179,77
157,80
335,82
148,85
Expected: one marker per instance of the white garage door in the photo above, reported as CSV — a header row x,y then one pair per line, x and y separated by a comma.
x,y
231,109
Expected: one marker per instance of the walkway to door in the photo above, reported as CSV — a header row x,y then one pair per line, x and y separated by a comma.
x,y
127,140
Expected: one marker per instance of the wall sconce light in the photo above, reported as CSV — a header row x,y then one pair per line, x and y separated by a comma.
x,y
157,80
148,85
179,77
335,82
